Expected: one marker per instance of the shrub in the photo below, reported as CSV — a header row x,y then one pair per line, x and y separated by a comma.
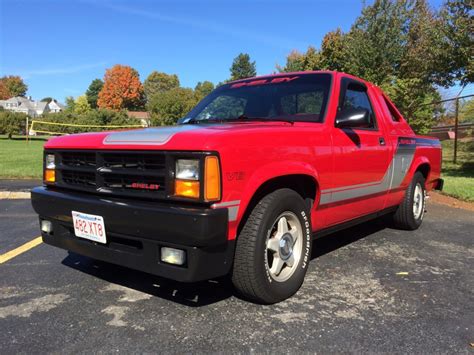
x,y
12,123
167,107
99,117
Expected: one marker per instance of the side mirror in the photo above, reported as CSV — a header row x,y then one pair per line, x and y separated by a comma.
x,y
352,118
181,120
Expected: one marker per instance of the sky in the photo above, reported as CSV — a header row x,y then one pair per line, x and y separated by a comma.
x,y
60,46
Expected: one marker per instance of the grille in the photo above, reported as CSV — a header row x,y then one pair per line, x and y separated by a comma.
x,y
135,174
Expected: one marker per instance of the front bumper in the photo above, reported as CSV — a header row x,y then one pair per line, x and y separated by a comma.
x,y
136,230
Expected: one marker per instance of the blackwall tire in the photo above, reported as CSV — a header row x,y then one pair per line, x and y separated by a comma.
x,y
411,211
273,249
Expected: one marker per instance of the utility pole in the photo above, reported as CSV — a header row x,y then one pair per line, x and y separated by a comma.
x,y
456,122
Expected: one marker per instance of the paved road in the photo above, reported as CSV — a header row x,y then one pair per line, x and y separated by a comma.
x,y
352,299
19,185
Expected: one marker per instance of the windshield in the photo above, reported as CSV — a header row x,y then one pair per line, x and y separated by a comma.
x,y
290,98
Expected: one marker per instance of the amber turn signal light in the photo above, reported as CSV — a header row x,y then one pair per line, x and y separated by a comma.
x,y
186,188
49,176
212,179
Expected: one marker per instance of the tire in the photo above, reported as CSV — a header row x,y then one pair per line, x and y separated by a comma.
x,y
411,211
275,236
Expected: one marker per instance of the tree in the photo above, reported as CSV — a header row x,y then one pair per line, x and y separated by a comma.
x,y
414,100
375,41
158,82
242,67
93,91
12,86
47,99
70,103
296,61
122,89
466,110
4,93
333,52
458,41
81,105
167,107
203,89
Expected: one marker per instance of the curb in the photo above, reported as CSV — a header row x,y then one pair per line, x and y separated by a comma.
x,y
14,195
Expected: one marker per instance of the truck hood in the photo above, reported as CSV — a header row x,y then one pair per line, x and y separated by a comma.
x,y
182,137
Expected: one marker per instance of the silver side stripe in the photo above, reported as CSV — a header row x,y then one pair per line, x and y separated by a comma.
x,y
232,208
148,136
392,179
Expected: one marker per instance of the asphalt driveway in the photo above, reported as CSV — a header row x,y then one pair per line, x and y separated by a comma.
x,y
368,289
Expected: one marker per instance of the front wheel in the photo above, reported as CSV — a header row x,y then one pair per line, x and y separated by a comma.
x,y
411,211
274,248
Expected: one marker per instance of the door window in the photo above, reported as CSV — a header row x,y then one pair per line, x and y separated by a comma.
x,y
356,98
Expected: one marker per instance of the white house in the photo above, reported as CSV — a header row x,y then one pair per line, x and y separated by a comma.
x,y
55,106
30,107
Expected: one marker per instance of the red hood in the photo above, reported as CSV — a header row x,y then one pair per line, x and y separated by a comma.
x,y
182,137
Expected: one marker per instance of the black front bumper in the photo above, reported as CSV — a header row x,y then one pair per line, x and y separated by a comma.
x,y
136,230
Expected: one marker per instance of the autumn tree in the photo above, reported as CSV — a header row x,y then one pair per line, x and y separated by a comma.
x,y
4,93
81,105
158,82
166,108
122,89
11,86
93,91
202,89
242,67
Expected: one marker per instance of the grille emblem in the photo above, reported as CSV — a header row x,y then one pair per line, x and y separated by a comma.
x,y
143,186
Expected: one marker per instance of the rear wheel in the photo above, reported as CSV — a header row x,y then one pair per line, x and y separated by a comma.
x,y
274,248
411,211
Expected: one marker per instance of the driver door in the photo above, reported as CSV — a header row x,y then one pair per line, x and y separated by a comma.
x,y
361,159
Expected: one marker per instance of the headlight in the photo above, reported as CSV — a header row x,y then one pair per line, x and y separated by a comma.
x,y
189,183
49,169
186,182
187,169
50,162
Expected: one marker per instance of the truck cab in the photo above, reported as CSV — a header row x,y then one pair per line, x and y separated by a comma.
x,y
242,185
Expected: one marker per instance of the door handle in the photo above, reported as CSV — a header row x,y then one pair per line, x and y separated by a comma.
x,y
381,140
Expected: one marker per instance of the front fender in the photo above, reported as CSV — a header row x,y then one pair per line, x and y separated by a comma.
x,y
271,171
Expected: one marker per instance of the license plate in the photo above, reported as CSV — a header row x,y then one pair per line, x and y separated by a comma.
x,y
89,226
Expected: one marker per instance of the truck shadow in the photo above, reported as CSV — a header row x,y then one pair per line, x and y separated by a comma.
x,y
207,292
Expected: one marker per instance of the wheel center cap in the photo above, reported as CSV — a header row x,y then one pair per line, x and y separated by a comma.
x,y
286,246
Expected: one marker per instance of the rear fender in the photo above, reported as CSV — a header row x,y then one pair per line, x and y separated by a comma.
x,y
417,162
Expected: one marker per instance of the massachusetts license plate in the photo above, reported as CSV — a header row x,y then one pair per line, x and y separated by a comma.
x,y
89,226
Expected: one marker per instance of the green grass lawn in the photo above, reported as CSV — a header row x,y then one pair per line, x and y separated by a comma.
x,y
22,160
19,159
459,177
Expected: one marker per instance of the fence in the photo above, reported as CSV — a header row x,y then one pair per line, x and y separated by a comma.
x,y
451,131
46,123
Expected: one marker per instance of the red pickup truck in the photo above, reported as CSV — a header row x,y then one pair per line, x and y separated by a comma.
x,y
242,184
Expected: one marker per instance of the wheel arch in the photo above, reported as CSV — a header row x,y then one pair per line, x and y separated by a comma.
x,y
422,165
305,184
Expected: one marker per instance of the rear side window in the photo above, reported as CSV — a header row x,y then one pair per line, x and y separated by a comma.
x,y
356,98
390,109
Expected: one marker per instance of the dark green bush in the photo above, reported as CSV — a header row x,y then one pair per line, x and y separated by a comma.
x,y
12,123
99,117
